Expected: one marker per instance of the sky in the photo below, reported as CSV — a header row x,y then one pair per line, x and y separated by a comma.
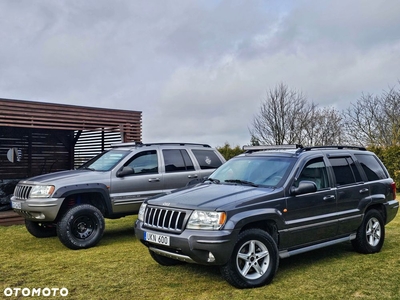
x,y
198,70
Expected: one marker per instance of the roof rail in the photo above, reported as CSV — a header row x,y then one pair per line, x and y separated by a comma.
x,y
138,144
251,149
178,144
130,144
339,147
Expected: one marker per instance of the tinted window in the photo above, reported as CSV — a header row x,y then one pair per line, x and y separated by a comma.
x,y
371,166
145,162
315,171
207,159
345,170
177,160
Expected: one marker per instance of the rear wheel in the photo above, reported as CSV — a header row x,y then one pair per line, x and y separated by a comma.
x,y
81,227
371,233
41,229
254,260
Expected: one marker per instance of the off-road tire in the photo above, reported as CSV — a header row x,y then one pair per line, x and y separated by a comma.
x,y
163,260
370,234
254,246
81,227
41,229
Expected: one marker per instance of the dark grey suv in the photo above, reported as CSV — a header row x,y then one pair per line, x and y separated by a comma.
x,y
263,206
73,204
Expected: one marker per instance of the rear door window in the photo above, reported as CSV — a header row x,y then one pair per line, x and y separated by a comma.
x,y
207,159
345,170
177,160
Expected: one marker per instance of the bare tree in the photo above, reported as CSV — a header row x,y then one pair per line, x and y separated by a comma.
x,y
286,117
375,120
282,117
324,127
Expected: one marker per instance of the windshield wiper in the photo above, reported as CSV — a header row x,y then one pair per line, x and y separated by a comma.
x,y
213,180
241,182
87,168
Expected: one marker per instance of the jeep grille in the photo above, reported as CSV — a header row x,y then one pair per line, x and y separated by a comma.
x,y
22,191
164,219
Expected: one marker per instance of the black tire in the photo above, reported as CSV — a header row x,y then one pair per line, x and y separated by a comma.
x,y
243,270
163,260
41,229
371,233
81,227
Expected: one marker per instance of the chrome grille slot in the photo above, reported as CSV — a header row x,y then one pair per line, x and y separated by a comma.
x,y
22,191
164,219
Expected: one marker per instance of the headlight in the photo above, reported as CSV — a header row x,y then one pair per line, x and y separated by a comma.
x,y
141,211
42,191
206,220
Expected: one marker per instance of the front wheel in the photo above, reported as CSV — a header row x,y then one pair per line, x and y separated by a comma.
x,y
81,227
371,233
254,260
41,229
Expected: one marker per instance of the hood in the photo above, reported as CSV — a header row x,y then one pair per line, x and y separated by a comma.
x,y
211,196
69,177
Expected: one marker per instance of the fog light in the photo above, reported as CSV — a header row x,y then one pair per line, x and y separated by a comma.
x,y
38,216
211,257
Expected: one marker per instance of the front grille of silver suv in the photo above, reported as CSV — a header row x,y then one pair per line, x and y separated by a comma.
x,y
22,191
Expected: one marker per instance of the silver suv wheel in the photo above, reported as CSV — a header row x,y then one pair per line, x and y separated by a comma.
x,y
253,259
373,232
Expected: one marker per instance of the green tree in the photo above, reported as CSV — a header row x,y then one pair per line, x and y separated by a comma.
x,y
228,152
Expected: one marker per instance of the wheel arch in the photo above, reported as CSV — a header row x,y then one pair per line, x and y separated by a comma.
x,y
93,194
380,208
268,220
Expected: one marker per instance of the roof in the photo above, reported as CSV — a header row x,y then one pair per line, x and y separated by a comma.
x,y
33,114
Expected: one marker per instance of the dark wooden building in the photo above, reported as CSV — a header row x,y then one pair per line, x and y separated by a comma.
x,y
38,138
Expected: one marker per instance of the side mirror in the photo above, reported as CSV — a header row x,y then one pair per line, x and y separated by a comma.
x,y
125,171
304,187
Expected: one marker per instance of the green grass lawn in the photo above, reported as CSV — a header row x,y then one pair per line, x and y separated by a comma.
x,y
121,268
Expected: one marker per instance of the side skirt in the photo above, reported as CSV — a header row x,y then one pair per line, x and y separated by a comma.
x,y
288,253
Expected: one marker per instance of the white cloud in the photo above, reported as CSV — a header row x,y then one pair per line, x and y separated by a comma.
x,y
197,70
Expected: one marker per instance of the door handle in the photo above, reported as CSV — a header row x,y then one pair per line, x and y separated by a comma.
x,y
327,198
192,176
364,190
154,179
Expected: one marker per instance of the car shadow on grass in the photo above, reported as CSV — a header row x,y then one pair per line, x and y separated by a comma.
x,y
118,234
327,254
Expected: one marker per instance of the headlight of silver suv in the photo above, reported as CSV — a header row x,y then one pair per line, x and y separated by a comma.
x,y
206,220
141,211
41,191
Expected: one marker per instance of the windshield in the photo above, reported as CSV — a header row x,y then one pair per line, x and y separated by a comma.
x,y
105,161
256,171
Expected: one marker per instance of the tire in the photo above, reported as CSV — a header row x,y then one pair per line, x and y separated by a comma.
x,y
41,229
371,233
163,260
243,270
81,227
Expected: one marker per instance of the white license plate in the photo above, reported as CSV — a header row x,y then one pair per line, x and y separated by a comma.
x,y
157,238
16,205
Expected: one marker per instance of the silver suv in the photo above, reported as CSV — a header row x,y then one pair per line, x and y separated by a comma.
x,y
73,204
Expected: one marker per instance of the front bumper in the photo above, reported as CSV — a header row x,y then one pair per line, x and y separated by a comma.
x,y
40,209
207,247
